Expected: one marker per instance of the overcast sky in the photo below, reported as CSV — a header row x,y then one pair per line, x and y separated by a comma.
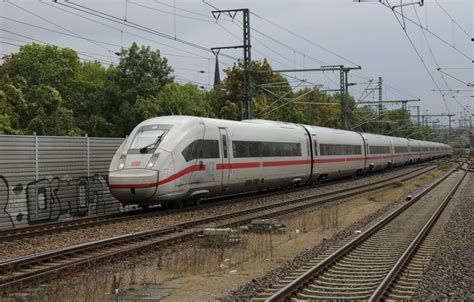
x,y
367,34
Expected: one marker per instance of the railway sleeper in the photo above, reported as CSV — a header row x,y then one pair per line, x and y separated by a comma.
x,y
336,275
405,282
410,279
364,261
338,283
397,297
378,246
259,299
344,272
413,271
309,294
363,270
344,288
353,280
370,255
404,289
418,266
403,293
366,266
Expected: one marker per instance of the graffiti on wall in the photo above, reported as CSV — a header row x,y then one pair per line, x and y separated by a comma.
x,y
51,199
4,196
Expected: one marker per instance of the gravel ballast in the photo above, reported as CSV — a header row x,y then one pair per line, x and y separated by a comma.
x,y
257,285
450,273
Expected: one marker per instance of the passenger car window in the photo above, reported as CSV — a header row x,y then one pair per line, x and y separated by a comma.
x,y
265,149
332,149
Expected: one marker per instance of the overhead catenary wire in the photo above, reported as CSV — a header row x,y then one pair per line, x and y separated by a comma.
x,y
418,54
57,32
404,17
275,41
134,25
262,44
312,43
184,79
438,67
320,47
305,39
289,101
50,44
78,52
267,56
188,53
101,42
453,20
170,13
183,9
61,27
455,78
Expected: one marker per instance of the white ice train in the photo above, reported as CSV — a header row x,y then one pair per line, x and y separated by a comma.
x,y
178,158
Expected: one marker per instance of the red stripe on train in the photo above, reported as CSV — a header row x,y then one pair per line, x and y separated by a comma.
x,y
182,173
286,163
163,181
238,165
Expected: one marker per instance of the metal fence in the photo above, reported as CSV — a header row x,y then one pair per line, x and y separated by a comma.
x,y
45,178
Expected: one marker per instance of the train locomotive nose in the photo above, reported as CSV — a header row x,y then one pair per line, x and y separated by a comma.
x,y
132,185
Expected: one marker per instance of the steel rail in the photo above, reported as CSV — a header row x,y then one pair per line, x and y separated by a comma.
x,y
71,256
402,261
67,225
299,283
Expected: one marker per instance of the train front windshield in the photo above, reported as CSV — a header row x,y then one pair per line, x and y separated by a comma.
x,y
147,139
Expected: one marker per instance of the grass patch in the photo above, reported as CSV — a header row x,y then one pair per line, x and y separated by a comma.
x,y
398,184
372,198
445,166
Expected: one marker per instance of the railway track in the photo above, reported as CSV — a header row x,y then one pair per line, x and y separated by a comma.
x,y
68,225
385,261
15,273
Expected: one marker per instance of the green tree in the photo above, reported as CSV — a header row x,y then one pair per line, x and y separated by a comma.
x,y
140,76
47,116
317,108
45,65
267,88
13,106
34,81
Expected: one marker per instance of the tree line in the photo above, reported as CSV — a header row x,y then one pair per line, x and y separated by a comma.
x,y
50,91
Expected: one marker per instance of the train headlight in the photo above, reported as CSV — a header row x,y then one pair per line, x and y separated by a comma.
x,y
121,162
152,161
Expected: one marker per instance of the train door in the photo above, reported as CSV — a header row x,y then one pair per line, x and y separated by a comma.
x,y
366,152
225,158
315,156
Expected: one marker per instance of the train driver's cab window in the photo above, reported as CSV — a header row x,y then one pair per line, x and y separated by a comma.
x,y
201,148
147,139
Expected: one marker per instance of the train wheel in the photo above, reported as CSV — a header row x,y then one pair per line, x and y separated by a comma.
x,y
144,207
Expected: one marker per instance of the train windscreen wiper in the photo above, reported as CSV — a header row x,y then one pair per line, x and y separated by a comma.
x,y
145,149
